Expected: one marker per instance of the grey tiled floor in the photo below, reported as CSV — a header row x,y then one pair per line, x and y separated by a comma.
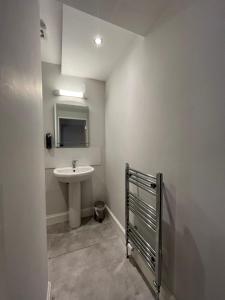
x,y
89,264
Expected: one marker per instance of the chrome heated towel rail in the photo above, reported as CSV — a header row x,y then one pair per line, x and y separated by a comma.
x,y
148,215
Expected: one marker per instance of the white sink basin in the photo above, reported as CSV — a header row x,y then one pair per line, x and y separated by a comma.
x,y
74,177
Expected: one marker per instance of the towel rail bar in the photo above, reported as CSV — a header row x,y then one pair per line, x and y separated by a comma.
x,y
143,186
149,216
147,206
139,172
143,251
144,220
143,210
142,240
140,176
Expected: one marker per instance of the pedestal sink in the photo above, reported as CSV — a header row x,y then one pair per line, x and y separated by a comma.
x,y
74,177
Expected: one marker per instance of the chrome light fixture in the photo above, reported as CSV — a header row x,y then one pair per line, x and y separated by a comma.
x,y
67,93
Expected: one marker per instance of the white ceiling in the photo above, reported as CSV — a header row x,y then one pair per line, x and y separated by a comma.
x,y
80,56
135,15
71,45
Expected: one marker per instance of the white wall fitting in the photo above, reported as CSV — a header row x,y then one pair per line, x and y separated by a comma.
x,y
23,249
94,189
165,112
51,45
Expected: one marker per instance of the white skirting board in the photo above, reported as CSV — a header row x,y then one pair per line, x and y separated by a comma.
x,y
63,217
49,291
165,294
116,220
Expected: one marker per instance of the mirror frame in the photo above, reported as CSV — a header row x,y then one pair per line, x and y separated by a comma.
x,y
57,130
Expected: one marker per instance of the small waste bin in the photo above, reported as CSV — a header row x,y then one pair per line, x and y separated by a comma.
x,y
99,211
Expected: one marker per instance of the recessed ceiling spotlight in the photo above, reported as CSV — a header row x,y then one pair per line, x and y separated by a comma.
x,y
98,41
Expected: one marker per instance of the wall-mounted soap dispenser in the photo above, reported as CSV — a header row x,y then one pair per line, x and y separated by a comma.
x,y
48,140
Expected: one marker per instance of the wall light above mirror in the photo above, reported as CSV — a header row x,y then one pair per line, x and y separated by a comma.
x,y
67,93
71,126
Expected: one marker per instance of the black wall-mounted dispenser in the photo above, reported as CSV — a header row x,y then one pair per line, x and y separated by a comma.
x,y
48,140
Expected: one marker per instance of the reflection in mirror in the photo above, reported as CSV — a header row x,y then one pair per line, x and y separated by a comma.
x,y
71,126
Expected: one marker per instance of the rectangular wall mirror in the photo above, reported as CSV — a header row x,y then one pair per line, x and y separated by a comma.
x,y
71,126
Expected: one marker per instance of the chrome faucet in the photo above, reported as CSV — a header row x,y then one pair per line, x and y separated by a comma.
x,y
74,163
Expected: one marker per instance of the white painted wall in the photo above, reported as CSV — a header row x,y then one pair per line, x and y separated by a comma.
x,y
51,45
23,250
92,190
165,112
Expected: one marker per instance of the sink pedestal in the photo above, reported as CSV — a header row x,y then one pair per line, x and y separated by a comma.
x,y
74,177
74,204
